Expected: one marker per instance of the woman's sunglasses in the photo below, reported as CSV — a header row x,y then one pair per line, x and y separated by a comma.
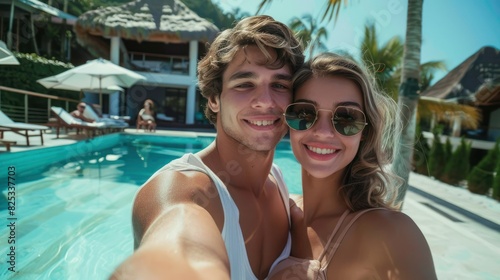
x,y
347,121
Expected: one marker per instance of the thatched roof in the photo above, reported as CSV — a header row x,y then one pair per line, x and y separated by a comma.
x,y
168,21
462,83
430,108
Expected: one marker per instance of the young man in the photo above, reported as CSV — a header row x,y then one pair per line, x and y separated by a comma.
x,y
222,213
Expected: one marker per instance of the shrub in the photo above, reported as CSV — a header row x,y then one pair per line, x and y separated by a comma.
x,y
496,182
24,76
437,157
457,167
421,155
480,179
447,152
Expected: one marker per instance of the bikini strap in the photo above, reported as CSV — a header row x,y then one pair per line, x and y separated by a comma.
x,y
337,227
331,249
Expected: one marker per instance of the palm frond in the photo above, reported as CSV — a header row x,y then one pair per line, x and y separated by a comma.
x,y
333,9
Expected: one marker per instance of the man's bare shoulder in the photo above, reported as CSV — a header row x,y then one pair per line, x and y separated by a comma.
x,y
165,190
169,186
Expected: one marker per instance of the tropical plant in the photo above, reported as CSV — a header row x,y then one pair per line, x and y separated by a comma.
x,y
480,179
447,152
408,93
437,157
457,167
309,33
421,154
383,61
496,183
332,8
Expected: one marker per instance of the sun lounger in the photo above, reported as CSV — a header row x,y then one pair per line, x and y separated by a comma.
x,y
66,120
7,144
114,123
25,129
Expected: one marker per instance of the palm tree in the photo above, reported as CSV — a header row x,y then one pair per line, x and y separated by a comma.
x,y
385,64
408,93
383,61
332,10
309,33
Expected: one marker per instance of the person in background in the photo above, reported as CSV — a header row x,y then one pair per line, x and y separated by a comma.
x,y
78,113
222,213
345,225
146,116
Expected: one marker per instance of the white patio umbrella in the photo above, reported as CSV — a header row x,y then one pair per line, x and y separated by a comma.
x,y
53,83
6,56
98,74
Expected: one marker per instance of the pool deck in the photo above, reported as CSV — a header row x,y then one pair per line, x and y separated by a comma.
x,y
462,229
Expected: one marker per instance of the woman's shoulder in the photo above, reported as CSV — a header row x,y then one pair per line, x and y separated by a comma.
x,y
392,229
387,236
385,221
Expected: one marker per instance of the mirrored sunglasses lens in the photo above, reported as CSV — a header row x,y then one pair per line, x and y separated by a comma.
x,y
348,121
300,116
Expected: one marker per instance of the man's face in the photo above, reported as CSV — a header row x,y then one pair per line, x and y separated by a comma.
x,y
253,99
81,107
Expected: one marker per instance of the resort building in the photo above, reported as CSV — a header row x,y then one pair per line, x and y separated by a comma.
x,y
160,39
31,26
475,82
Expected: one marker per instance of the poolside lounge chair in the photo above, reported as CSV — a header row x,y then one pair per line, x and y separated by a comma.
x,y
66,120
113,123
25,129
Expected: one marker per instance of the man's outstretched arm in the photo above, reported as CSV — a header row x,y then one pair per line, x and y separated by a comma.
x,y
176,238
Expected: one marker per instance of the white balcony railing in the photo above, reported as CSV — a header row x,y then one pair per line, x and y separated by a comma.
x,y
156,63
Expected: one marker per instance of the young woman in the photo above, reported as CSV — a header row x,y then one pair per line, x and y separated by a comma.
x,y
342,132
146,118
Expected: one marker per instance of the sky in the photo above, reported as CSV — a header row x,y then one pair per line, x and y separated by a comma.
x,y
452,30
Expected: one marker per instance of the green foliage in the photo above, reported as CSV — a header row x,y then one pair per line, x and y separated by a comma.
x,y
213,13
421,154
437,157
457,167
496,182
310,34
383,59
480,179
24,76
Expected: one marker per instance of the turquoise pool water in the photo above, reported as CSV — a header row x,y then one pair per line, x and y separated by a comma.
x,y
72,212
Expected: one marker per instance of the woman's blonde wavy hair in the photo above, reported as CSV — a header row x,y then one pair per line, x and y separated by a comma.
x,y
262,31
368,181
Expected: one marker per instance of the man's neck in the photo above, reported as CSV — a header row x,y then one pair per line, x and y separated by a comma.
x,y
237,166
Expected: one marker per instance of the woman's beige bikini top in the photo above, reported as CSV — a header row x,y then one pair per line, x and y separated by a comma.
x,y
296,268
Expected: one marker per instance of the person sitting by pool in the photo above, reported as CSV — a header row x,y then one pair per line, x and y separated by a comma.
x,y
78,113
146,118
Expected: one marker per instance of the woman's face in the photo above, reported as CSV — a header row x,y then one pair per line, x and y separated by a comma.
x,y
321,150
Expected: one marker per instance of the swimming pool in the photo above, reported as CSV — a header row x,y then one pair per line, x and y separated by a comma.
x,y
72,216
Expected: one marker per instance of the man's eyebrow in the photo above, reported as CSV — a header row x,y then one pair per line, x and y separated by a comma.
x,y
242,75
285,77
251,75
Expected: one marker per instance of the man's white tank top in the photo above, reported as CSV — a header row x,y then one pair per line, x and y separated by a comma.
x,y
231,232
